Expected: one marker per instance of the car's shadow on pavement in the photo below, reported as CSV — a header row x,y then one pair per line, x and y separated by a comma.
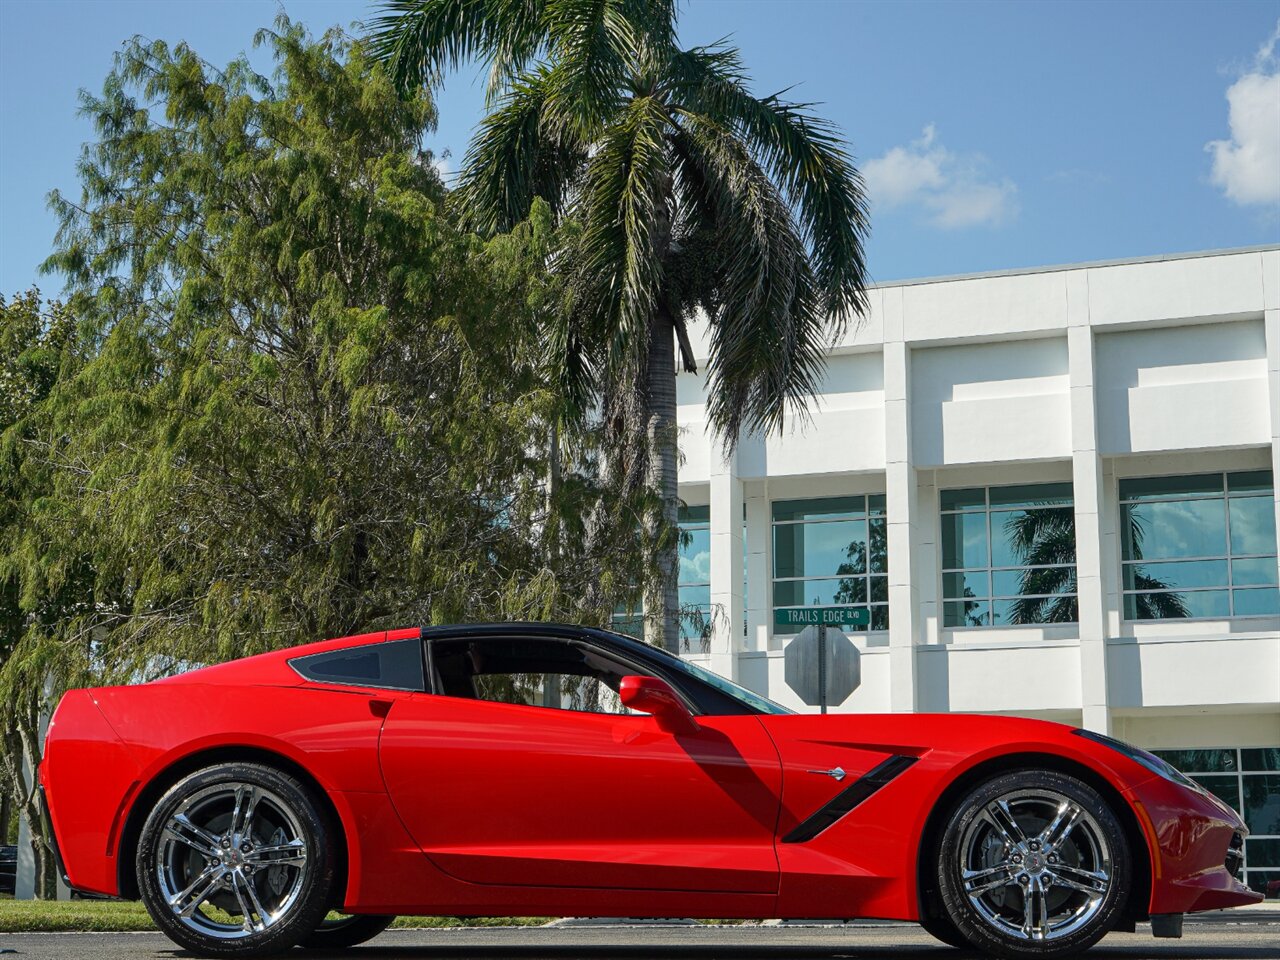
x,y
1136,951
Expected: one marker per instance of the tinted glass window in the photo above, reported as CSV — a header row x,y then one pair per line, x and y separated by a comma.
x,y
531,672
1200,546
1008,555
831,551
394,666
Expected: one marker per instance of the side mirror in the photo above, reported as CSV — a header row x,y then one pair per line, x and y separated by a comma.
x,y
654,696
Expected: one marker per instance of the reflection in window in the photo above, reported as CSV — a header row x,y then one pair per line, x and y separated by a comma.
x,y
1008,555
695,579
628,619
1199,546
831,551
1247,780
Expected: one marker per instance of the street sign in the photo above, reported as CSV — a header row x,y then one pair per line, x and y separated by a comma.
x,y
819,616
822,666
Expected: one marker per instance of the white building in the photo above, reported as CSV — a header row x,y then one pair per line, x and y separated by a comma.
x,y
1138,401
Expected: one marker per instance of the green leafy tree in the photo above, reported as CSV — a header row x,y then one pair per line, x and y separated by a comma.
x,y
693,197
44,578
297,400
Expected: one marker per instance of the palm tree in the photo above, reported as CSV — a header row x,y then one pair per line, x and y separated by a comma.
x,y
1048,536
689,196
1039,537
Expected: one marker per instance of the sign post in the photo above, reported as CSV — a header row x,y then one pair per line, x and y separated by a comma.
x,y
821,664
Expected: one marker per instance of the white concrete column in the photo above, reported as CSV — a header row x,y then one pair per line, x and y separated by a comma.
x,y
1088,487
928,560
759,549
1272,324
901,505
726,563
24,887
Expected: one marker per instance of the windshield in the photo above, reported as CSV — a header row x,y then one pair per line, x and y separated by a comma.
x,y
727,687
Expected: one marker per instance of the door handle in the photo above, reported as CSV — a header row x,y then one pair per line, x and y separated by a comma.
x,y
835,773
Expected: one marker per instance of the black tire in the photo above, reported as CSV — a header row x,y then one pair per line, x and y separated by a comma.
x,y
345,932
259,895
940,928
1049,866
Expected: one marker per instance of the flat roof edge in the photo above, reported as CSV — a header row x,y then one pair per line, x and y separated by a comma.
x,y
1063,268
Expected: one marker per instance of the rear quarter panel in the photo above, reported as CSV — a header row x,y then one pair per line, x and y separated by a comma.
x,y
89,776
111,749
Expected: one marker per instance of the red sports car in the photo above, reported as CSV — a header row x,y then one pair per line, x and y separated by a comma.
x,y
529,769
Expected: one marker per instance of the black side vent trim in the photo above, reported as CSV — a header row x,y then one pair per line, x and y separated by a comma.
x,y
850,797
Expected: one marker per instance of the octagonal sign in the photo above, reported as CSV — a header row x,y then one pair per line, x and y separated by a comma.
x,y
822,670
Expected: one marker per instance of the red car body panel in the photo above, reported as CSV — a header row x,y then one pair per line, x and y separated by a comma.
x,y
467,807
647,810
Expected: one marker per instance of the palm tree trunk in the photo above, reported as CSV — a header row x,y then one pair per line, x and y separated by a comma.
x,y
662,600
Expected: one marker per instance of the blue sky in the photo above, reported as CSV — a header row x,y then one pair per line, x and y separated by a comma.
x,y
992,135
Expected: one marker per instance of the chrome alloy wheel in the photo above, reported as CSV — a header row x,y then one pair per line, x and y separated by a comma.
x,y
1035,865
232,860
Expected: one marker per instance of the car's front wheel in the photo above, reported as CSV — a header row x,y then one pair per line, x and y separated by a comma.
x,y
1033,863
237,860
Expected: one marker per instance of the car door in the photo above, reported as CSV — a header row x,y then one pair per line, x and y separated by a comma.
x,y
544,785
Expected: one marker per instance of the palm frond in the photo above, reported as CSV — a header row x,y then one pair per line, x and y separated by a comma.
x,y
421,39
624,208
516,157
804,154
768,328
596,46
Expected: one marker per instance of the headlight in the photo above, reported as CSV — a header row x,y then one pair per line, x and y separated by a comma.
x,y
1148,760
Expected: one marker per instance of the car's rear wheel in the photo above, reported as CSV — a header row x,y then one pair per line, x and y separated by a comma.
x,y
1033,863
237,860
341,932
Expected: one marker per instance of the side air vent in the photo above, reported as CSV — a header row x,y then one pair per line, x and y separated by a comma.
x,y
1235,855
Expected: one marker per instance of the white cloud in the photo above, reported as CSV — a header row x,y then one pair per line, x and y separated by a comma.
x,y
1247,167
954,190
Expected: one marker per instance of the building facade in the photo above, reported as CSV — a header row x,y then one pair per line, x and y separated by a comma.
x,y
1055,493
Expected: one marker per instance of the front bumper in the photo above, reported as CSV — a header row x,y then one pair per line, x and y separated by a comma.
x,y
1196,846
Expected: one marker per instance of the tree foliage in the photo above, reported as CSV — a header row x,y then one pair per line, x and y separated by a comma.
x,y
297,400
44,580
695,198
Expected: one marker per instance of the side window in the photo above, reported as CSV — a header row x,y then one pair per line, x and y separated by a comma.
x,y
396,665
531,672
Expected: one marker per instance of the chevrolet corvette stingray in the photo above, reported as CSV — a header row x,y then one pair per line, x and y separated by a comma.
x,y
535,769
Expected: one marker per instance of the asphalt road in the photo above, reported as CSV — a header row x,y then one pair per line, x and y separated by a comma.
x,y
1255,939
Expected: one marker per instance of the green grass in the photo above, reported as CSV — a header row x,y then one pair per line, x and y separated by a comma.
x,y
100,916
21,916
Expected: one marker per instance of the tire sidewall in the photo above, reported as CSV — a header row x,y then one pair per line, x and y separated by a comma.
x,y
955,901
318,874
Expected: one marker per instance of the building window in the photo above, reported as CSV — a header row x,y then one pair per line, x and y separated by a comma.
x,y
1199,546
1248,780
1008,555
628,618
695,579
831,552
